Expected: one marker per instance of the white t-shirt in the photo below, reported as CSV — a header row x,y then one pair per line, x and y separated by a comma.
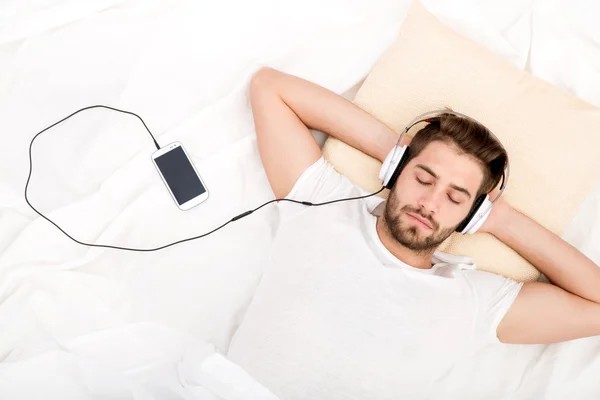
x,y
337,316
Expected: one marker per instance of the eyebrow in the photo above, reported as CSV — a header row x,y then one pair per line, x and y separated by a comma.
x,y
452,185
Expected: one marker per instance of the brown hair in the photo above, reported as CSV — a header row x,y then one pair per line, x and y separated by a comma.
x,y
470,138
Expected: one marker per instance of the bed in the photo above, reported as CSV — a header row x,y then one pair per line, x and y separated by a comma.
x,y
89,323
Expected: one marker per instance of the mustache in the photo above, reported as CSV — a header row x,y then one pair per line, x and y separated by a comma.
x,y
417,211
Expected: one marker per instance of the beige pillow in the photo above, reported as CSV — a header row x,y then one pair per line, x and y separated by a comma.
x,y
552,137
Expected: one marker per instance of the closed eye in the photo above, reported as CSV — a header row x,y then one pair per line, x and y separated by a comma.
x,y
429,183
452,200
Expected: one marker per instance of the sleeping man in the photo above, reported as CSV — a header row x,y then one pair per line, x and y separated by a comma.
x,y
359,286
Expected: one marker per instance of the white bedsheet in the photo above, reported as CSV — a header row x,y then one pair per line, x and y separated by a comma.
x,y
94,323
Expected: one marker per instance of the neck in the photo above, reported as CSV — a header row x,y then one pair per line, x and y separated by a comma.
x,y
413,258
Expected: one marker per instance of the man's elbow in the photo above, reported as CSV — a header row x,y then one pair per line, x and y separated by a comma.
x,y
263,79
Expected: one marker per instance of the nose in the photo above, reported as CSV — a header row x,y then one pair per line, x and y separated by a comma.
x,y
430,202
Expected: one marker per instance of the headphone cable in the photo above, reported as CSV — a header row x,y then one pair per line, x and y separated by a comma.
x,y
236,218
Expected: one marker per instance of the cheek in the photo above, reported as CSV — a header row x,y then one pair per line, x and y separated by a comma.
x,y
408,190
453,215
403,196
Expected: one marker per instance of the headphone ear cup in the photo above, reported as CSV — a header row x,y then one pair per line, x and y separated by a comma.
x,y
398,169
472,218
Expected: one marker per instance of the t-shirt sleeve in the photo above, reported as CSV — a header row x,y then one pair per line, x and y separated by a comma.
x,y
318,183
495,295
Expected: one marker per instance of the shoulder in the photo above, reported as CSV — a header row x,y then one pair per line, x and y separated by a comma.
x,y
492,290
321,182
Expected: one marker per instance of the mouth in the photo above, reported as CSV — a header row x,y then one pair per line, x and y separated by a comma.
x,y
420,220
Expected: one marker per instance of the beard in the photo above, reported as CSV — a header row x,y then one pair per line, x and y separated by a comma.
x,y
410,236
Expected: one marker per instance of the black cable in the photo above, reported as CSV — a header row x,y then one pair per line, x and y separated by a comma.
x,y
88,108
237,217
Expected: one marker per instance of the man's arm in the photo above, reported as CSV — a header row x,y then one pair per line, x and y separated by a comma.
x,y
285,107
545,313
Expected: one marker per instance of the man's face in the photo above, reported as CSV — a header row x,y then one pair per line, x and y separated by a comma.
x,y
433,194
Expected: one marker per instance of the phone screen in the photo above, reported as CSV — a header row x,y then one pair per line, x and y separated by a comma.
x,y
180,175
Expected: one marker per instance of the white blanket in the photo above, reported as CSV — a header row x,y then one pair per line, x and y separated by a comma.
x,y
75,320
94,323
137,361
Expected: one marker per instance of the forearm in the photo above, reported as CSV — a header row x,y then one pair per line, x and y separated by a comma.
x,y
324,110
563,264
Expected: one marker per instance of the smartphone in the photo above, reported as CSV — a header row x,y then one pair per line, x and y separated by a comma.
x,y
180,176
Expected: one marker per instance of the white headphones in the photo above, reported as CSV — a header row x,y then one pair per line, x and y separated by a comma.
x,y
398,156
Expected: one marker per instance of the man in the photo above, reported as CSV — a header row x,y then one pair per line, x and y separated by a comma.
x,y
371,290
